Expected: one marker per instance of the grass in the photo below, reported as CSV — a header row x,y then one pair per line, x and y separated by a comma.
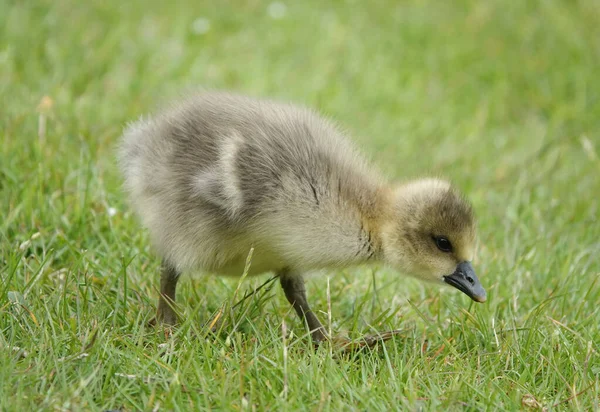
x,y
501,96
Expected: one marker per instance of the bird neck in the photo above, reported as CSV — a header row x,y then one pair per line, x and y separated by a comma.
x,y
374,216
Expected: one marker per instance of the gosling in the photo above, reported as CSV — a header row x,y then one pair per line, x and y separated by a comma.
x,y
218,174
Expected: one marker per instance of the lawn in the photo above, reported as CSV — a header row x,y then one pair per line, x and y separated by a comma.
x,y
501,96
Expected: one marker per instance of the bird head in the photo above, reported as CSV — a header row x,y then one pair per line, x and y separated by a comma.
x,y
430,235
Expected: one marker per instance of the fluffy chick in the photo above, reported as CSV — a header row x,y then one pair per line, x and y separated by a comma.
x,y
218,174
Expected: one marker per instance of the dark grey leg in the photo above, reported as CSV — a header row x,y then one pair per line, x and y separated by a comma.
x,y
293,286
168,283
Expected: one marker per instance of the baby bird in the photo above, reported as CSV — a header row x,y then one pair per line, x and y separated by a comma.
x,y
218,174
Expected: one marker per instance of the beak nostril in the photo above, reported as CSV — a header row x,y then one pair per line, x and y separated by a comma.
x,y
470,279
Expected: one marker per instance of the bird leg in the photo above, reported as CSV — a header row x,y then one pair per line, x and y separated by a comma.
x,y
293,286
168,283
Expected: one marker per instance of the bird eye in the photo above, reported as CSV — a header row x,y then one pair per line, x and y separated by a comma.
x,y
443,244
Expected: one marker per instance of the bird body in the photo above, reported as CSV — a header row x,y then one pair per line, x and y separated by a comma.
x,y
218,174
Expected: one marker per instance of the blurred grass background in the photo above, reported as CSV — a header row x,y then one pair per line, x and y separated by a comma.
x,y
501,96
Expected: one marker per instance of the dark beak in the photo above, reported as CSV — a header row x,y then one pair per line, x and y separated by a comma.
x,y
465,280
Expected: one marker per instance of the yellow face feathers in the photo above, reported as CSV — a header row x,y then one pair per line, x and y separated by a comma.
x,y
431,230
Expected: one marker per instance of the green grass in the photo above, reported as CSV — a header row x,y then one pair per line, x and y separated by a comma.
x,y
501,96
